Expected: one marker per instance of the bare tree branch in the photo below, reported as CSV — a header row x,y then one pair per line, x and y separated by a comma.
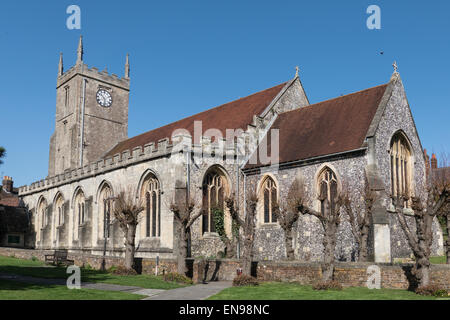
x,y
126,211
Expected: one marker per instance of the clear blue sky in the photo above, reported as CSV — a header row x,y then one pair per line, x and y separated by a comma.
x,y
188,56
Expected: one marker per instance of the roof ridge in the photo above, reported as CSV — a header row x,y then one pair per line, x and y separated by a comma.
x,y
201,112
336,98
325,130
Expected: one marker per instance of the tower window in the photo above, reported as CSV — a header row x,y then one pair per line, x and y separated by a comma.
x,y
66,96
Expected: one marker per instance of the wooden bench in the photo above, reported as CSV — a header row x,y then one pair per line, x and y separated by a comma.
x,y
58,257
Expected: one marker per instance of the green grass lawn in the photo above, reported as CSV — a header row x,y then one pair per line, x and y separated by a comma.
x,y
291,291
38,269
13,290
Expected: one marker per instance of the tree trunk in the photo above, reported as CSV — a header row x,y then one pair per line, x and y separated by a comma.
x,y
422,256
329,243
288,243
182,250
247,252
363,243
247,257
130,246
422,271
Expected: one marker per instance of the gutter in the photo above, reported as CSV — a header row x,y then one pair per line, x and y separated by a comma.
x,y
304,161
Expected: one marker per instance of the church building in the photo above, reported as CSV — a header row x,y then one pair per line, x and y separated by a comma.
x,y
367,139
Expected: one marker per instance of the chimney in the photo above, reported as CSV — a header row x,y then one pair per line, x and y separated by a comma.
x,y
427,162
7,184
434,163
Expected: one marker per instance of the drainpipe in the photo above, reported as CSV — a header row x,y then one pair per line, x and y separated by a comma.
x,y
188,184
82,123
245,198
238,249
188,173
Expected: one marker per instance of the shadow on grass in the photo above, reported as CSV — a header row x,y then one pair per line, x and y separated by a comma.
x,y
50,272
51,275
22,290
18,285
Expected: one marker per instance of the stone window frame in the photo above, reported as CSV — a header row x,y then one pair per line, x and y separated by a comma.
x,y
66,96
151,220
42,220
105,205
401,150
267,183
214,177
318,178
79,211
327,184
59,210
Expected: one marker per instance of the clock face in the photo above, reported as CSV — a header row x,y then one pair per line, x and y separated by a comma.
x,y
104,98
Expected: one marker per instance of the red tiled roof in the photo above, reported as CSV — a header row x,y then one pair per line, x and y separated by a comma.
x,y
233,115
328,127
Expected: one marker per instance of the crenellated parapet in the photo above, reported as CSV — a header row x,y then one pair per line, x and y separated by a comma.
x,y
163,148
94,73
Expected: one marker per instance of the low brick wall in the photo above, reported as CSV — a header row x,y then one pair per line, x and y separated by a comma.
x,y
214,270
349,274
145,265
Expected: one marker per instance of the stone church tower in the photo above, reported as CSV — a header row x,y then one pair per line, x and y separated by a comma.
x,y
91,114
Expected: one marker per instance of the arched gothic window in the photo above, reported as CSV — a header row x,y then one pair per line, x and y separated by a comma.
x,y
105,201
328,189
41,218
59,210
269,195
214,190
400,166
152,208
43,213
78,209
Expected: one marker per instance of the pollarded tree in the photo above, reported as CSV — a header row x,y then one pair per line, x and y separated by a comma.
x,y
228,241
183,209
445,214
440,179
329,217
425,210
127,209
247,225
360,222
287,213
